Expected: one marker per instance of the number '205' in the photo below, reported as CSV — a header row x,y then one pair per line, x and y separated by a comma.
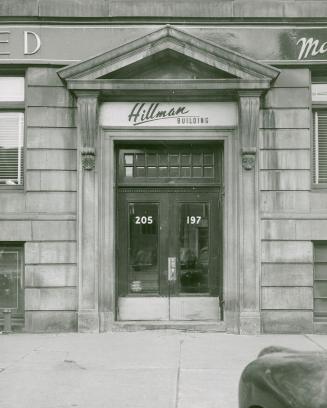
x,y
144,219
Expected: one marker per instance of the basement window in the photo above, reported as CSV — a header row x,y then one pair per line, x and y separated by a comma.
x,y
320,281
11,278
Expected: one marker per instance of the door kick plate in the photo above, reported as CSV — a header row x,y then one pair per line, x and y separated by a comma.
x,y
171,268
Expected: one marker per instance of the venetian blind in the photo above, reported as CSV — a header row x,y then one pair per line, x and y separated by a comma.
x,y
319,146
11,147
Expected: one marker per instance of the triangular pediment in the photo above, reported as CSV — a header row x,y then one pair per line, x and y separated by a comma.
x,y
168,64
169,53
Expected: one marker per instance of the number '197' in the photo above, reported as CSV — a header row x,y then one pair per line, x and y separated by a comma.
x,y
192,219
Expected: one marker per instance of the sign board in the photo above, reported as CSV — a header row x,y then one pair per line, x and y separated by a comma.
x,y
66,44
165,114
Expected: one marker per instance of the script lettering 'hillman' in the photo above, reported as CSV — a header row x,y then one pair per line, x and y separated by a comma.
x,y
144,112
311,47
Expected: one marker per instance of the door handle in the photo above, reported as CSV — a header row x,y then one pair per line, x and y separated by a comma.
x,y
172,268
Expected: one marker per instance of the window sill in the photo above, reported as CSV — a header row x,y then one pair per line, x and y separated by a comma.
x,y
11,188
319,187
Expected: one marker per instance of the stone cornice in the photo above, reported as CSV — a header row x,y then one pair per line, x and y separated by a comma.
x,y
107,10
201,89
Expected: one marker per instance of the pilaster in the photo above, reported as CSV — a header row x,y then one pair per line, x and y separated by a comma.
x,y
88,315
250,253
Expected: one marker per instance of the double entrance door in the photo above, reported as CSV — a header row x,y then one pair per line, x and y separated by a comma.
x,y
169,254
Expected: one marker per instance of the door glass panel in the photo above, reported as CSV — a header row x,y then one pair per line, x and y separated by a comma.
x,y
194,247
143,274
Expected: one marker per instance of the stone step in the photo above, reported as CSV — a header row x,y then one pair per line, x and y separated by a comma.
x,y
189,326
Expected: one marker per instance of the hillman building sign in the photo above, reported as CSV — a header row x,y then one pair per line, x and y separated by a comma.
x,y
45,43
191,114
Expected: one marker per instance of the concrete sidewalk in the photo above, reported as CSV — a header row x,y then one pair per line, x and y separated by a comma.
x,y
143,369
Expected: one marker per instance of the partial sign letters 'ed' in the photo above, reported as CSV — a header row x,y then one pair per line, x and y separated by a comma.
x,y
29,49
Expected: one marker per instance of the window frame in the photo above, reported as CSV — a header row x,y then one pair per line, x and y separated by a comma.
x,y
16,106
315,106
17,313
318,316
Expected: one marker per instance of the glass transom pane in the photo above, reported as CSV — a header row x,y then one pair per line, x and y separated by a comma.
x,y
319,92
11,89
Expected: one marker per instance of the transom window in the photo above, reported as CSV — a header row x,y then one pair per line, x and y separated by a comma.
x,y
11,131
196,164
169,165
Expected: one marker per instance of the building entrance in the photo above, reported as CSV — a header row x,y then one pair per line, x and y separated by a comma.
x,y
169,233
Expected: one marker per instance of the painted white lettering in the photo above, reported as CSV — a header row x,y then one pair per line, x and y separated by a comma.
x,y
37,40
4,39
310,47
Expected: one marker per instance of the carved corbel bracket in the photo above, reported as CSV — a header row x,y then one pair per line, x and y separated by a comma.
x,y
248,158
87,104
88,158
249,106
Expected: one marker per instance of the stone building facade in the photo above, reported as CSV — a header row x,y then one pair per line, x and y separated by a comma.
x,y
163,164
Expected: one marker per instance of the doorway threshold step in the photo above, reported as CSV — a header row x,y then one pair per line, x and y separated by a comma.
x,y
192,326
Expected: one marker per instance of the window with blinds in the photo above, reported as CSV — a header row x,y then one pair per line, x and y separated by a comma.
x,y
11,148
319,159
11,131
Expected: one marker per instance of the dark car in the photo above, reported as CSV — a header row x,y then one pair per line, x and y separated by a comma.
x,y
285,378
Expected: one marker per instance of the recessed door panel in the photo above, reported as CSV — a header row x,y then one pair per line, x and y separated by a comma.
x,y
194,308
143,308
